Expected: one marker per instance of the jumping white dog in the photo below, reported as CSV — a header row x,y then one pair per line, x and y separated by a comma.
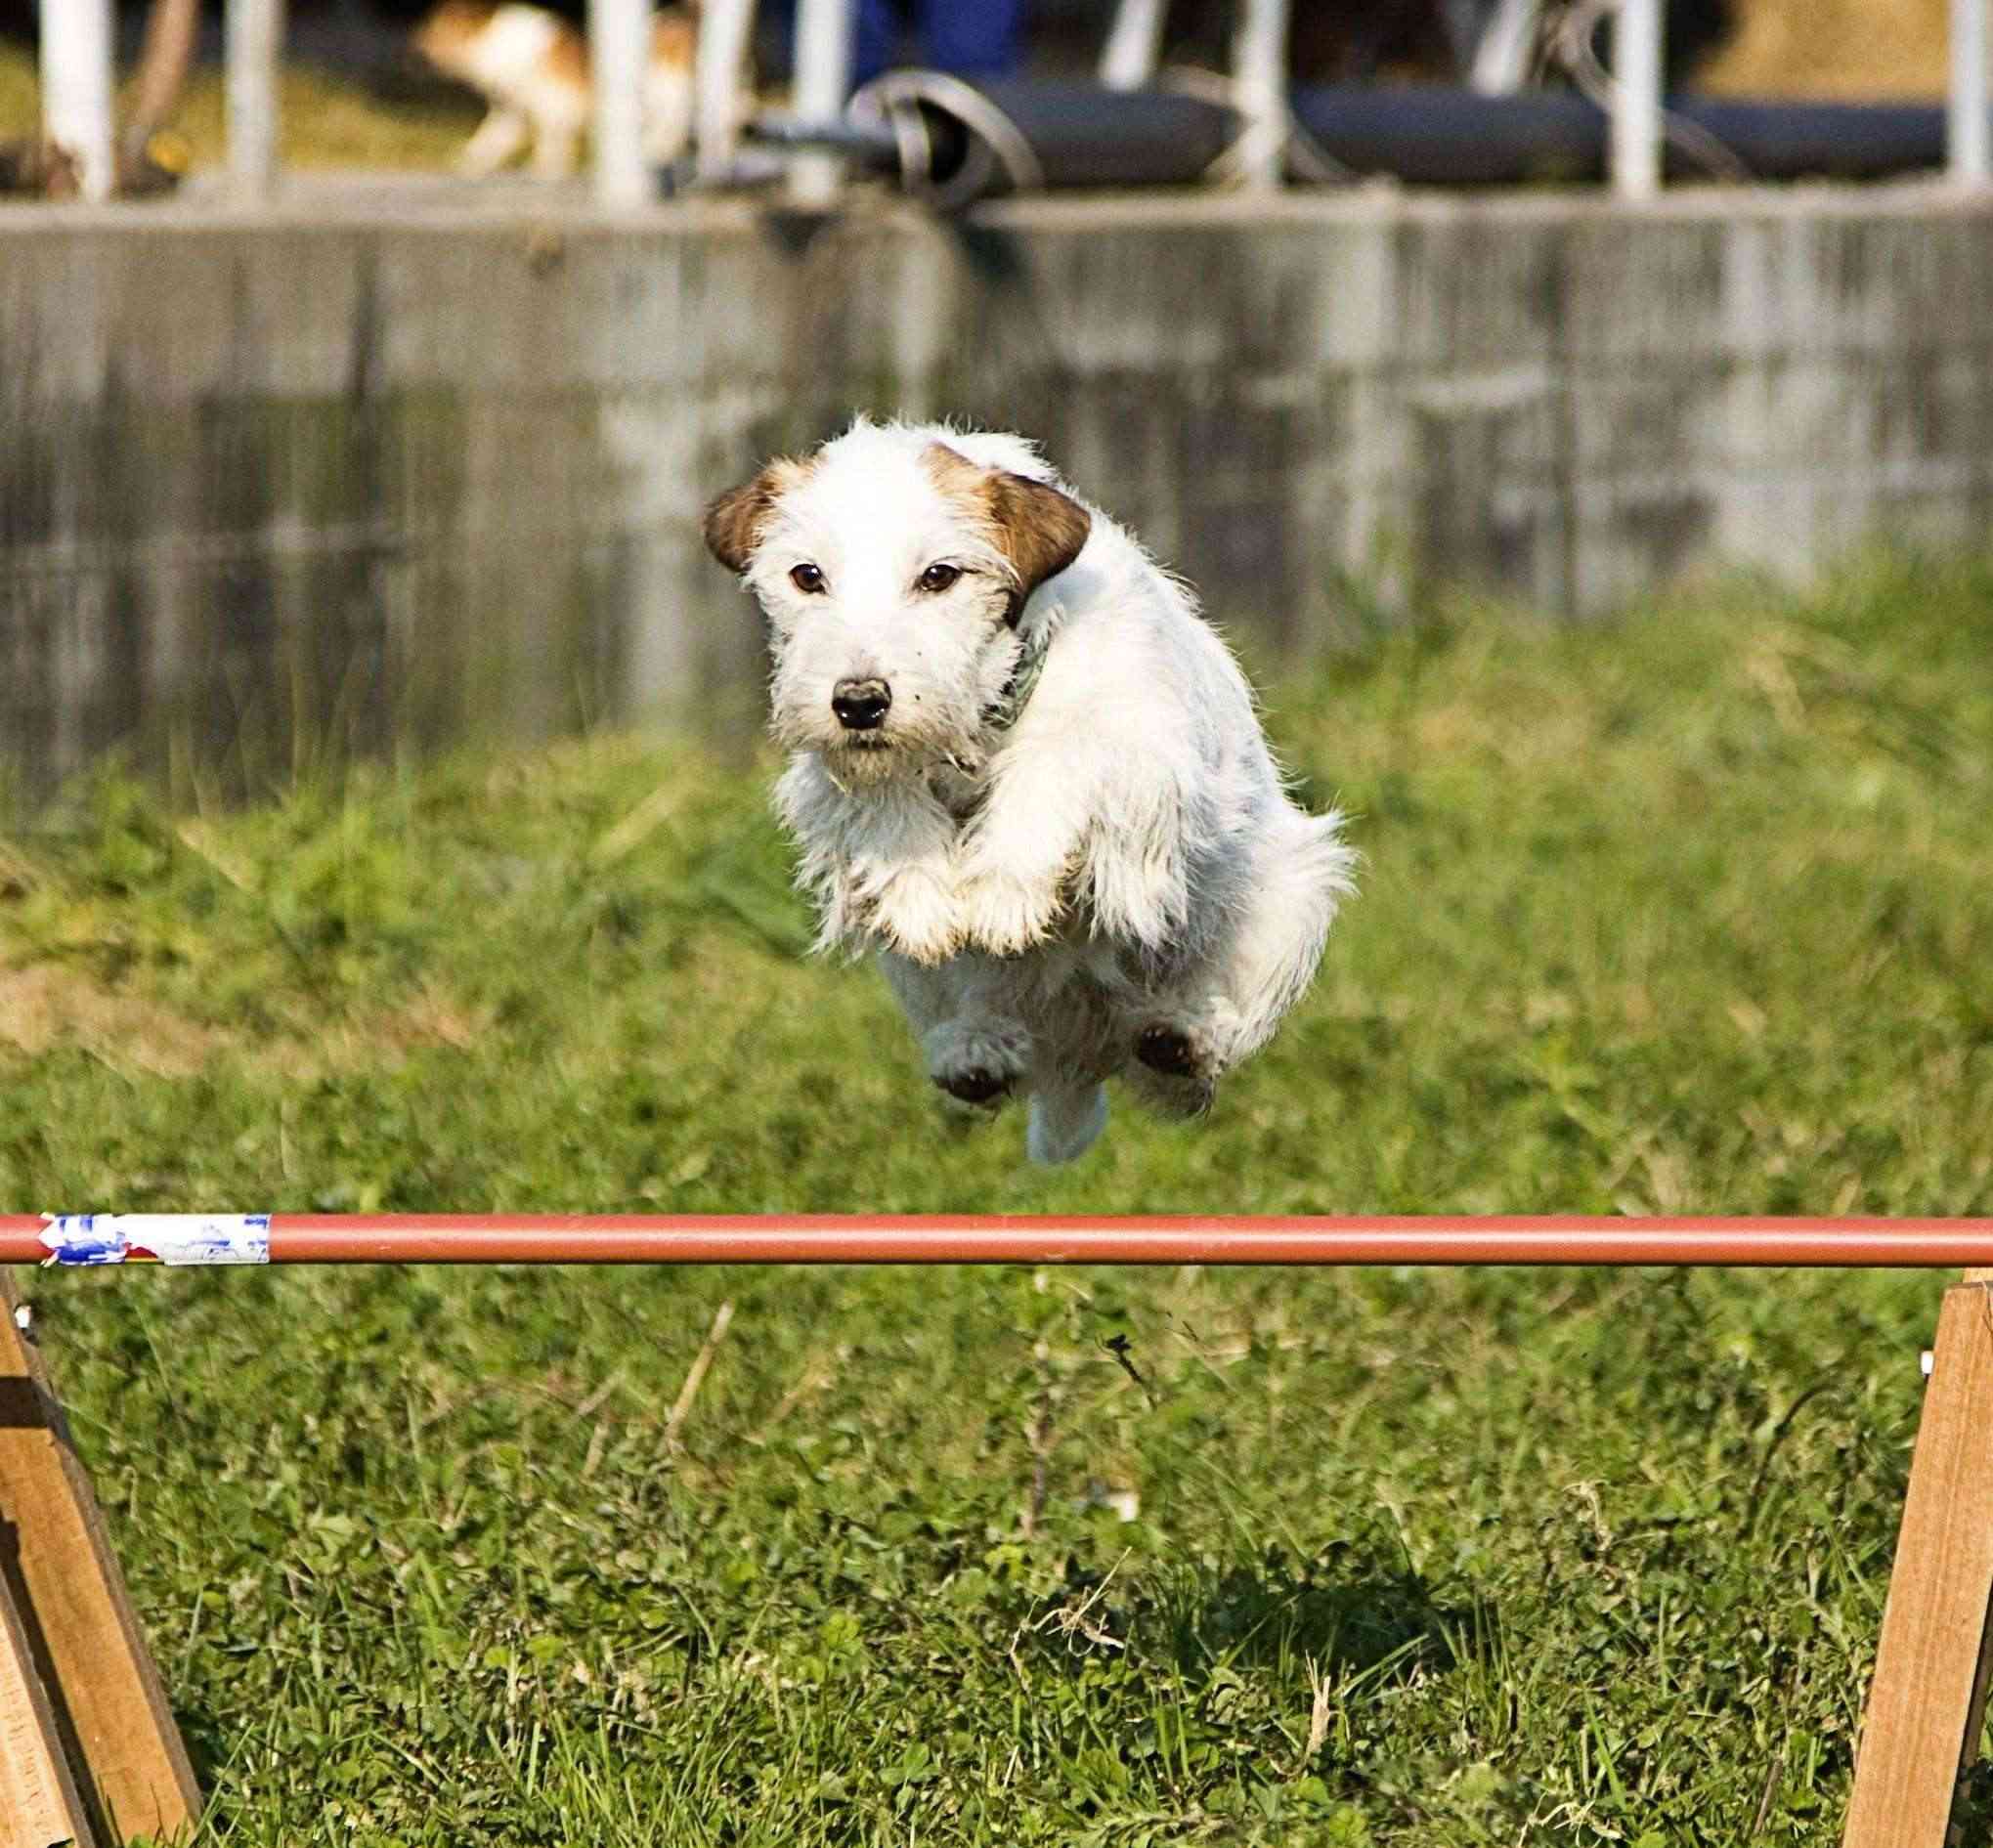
x,y
1027,773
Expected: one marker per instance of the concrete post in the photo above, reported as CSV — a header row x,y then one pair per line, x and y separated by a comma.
x,y
823,80
254,52
76,87
1970,134
1134,46
619,50
723,29
1259,64
1636,98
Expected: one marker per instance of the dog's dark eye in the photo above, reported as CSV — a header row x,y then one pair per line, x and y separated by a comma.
x,y
808,580
939,576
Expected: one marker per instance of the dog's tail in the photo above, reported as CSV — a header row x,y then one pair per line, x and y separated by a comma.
x,y
1066,1121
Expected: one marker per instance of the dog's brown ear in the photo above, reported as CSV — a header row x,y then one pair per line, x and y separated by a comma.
x,y
1041,529
735,521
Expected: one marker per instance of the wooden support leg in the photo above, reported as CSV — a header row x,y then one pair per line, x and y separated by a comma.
x,y
1930,1690
39,1804
89,1692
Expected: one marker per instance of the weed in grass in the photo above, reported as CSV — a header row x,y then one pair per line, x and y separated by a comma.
x,y
1690,914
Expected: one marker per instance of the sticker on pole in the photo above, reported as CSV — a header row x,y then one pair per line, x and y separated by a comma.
x,y
168,1238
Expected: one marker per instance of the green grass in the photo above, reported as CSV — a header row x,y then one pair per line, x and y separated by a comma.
x,y
1687,915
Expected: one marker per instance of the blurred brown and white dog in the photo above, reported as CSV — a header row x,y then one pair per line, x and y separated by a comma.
x,y
1025,771
531,66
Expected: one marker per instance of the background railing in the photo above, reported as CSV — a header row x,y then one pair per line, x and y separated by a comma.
x,y
78,88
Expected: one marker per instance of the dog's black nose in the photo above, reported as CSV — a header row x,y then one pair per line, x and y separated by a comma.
x,y
861,706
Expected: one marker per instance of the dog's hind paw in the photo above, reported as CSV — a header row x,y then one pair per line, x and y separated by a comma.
x,y
977,1065
978,1084
1172,1072
1168,1050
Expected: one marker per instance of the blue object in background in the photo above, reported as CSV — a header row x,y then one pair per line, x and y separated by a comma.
x,y
973,38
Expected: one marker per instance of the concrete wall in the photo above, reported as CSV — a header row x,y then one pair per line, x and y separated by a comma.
x,y
365,472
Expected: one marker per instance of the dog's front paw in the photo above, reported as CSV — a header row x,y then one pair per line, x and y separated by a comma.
x,y
977,1065
914,912
1006,914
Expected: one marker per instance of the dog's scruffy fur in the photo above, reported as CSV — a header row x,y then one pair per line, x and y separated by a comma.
x,y
1043,795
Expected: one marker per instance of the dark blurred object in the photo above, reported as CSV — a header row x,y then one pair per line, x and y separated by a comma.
x,y
1839,141
950,142
1429,136
37,169
153,168
1435,137
34,168
1360,41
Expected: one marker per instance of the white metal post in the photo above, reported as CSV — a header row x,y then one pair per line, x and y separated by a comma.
x,y
76,89
823,80
723,29
1259,68
1134,45
619,51
1970,134
255,52
1636,98
1508,41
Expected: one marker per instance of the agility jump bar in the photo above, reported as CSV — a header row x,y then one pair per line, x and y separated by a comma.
x,y
194,1238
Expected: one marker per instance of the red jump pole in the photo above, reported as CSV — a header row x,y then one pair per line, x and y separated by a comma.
x,y
1949,1244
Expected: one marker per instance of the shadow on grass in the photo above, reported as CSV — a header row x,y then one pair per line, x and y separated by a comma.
x,y
1347,1615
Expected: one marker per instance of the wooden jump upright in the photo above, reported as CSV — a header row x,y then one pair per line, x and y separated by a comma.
x,y
89,1752
1928,1701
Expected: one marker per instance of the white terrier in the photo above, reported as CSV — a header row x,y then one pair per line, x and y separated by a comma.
x,y
1025,770
531,66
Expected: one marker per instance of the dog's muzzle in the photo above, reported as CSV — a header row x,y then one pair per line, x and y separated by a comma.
x,y
861,706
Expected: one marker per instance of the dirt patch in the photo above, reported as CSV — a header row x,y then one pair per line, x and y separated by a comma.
x,y
384,1039
1834,48
48,1005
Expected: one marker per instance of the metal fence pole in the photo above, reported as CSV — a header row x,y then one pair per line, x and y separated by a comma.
x,y
1636,98
76,89
1260,77
723,29
254,52
619,49
1970,134
1134,46
823,79
1501,60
